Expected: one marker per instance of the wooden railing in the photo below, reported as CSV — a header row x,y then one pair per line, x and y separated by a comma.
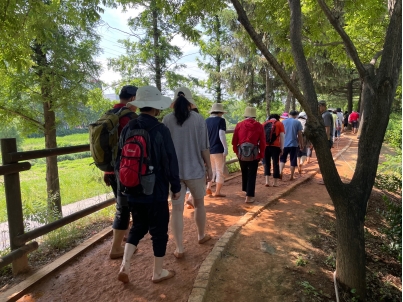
x,y
18,237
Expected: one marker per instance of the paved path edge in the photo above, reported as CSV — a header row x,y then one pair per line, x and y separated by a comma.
x,y
202,281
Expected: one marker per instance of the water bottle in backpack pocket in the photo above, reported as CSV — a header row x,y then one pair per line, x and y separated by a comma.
x,y
247,152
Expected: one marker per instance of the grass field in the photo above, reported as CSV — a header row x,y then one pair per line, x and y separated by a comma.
x,y
78,178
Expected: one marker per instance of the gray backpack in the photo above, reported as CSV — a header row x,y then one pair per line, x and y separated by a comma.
x,y
247,152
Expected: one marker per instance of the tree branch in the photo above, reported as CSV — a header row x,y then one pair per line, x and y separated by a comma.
x,y
299,57
243,19
35,122
391,63
350,48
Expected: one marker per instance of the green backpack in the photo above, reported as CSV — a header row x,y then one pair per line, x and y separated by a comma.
x,y
104,138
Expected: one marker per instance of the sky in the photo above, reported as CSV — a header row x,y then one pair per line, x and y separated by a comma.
x,y
114,27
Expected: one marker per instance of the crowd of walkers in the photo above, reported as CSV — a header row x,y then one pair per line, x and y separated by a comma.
x,y
186,154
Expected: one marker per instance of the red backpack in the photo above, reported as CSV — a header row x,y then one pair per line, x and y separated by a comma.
x,y
136,172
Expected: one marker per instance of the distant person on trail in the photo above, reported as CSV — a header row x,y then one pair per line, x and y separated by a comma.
x,y
292,143
353,120
216,127
249,143
122,216
274,149
341,121
150,212
345,121
303,152
190,137
328,120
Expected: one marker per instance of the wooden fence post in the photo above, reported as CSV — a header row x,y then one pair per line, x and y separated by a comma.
x,y
14,204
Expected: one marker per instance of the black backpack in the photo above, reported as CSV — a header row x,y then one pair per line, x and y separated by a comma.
x,y
270,131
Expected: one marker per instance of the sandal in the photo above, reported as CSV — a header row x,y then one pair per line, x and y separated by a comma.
x,y
189,204
171,273
179,255
206,238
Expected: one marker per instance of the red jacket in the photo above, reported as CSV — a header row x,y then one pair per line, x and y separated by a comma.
x,y
249,131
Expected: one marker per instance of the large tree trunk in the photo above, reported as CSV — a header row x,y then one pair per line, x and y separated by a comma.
x,y
157,60
350,259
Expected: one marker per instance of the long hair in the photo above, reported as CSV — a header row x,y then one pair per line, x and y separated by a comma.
x,y
181,109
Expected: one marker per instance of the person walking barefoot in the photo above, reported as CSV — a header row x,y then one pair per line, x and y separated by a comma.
x,y
216,127
190,137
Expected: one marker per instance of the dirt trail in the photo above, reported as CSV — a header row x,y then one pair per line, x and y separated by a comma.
x,y
93,277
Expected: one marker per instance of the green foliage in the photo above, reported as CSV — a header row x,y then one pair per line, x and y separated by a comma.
x,y
309,290
301,261
331,261
389,175
393,135
393,233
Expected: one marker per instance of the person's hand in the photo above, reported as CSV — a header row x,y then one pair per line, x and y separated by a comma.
x,y
225,152
175,196
106,180
209,175
281,151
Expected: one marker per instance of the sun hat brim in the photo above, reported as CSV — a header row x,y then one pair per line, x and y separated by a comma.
x,y
162,103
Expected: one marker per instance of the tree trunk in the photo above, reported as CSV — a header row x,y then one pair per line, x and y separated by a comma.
x,y
350,96
292,103
350,260
268,92
52,172
218,60
157,60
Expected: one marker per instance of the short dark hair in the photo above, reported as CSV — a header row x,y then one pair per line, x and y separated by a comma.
x,y
293,113
146,109
274,115
127,92
338,109
322,103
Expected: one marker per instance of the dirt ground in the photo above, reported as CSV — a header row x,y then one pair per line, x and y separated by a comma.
x,y
260,264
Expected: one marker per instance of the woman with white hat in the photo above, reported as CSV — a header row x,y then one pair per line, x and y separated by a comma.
x,y
189,134
216,127
249,143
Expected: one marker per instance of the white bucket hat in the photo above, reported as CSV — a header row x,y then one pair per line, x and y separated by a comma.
x,y
150,96
217,107
250,112
186,93
303,115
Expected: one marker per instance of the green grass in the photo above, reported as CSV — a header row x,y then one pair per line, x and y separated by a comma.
x,y
78,180
29,144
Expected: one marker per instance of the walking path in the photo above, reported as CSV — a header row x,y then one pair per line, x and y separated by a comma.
x,y
225,218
